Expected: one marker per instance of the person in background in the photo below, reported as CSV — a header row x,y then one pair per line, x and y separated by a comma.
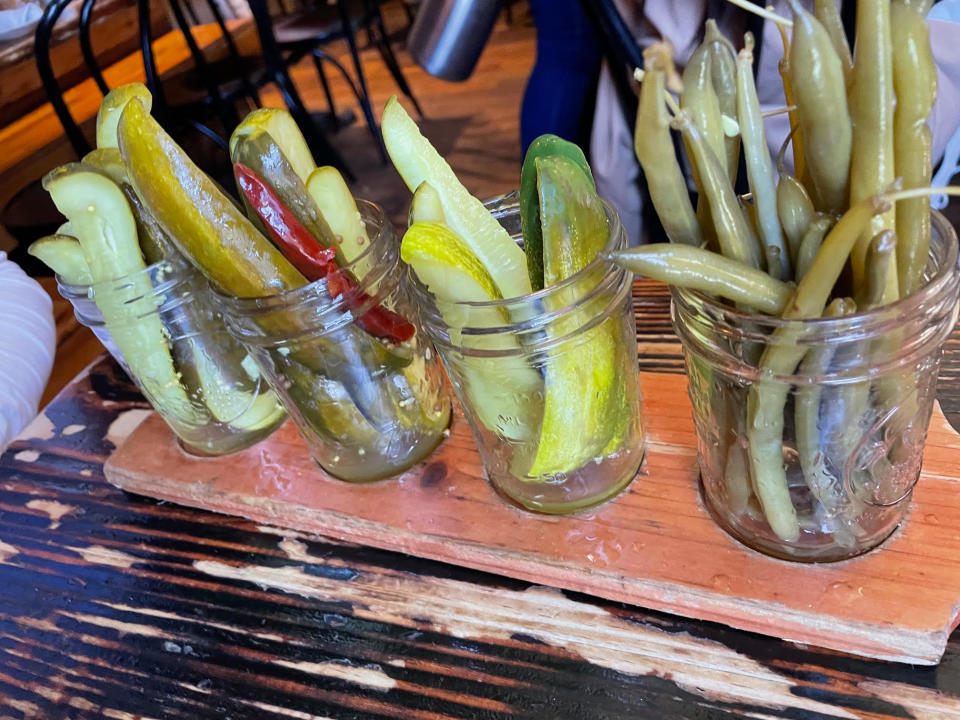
x,y
562,86
681,22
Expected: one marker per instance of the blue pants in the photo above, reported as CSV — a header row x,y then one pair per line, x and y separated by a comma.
x,y
561,87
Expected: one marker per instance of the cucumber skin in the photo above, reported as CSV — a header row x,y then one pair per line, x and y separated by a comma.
x,y
544,146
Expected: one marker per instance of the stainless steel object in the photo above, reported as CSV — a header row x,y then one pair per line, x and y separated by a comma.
x,y
448,36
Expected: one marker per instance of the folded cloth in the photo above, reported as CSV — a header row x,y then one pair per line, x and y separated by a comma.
x,y
19,20
28,342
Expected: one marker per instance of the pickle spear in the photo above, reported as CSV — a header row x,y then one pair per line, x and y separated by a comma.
x,y
209,228
112,106
417,160
543,146
504,389
281,126
101,218
330,192
425,205
582,413
154,242
63,255
260,152
219,239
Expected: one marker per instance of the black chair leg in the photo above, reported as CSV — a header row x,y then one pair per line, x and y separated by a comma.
x,y
361,80
248,88
382,44
226,112
316,139
50,85
160,109
86,46
322,73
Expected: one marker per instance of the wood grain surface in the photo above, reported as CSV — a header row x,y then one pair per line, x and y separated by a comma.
x,y
117,606
654,545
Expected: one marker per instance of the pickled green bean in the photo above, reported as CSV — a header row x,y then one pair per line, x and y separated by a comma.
x,y
881,261
723,74
759,168
795,210
871,112
733,234
654,148
767,397
915,83
829,16
816,75
826,488
698,269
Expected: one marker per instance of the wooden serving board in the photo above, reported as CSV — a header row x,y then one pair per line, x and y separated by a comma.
x,y
653,546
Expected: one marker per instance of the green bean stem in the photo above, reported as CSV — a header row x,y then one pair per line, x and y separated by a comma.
x,y
816,75
759,167
915,82
811,244
723,74
733,234
871,112
654,148
698,269
767,398
827,490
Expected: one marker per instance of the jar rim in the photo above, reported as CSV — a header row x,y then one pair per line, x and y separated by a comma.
x,y
179,268
947,274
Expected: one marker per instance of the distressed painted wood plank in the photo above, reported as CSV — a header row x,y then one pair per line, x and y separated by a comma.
x,y
653,546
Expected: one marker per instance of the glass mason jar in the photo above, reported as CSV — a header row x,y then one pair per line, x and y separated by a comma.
x,y
161,325
366,407
548,381
818,465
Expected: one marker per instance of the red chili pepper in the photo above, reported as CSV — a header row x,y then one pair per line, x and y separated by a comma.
x,y
313,260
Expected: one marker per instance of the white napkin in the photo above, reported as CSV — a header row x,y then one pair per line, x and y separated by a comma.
x,y
20,21
28,342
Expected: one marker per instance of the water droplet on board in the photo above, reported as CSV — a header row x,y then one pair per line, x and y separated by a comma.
x,y
843,592
720,582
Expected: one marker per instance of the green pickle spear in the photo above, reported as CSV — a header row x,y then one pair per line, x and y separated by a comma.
x,y
504,390
417,160
426,206
281,126
100,216
63,255
108,117
584,412
330,192
219,239
543,146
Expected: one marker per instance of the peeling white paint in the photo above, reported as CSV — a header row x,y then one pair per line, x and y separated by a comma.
x,y
703,667
7,551
26,456
285,712
53,509
296,550
370,676
73,429
40,428
98,555
125,424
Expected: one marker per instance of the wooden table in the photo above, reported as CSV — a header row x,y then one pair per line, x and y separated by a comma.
x,y
114,606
